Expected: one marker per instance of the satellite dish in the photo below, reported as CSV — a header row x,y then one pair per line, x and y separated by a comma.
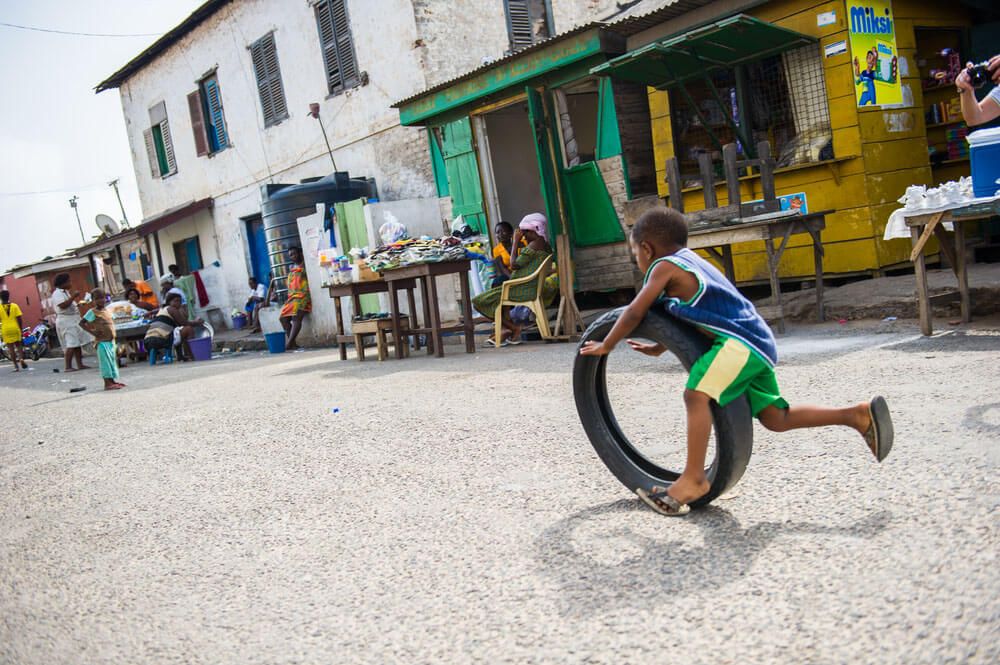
x,y
107,225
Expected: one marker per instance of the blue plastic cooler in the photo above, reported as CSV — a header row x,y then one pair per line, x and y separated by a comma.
x,y
984,156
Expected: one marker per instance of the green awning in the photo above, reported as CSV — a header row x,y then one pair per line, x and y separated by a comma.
x,y
720,45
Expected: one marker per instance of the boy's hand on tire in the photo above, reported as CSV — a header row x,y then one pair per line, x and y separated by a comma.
x,y
652,349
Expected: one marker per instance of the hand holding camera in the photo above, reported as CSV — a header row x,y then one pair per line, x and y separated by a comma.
x,y
977,75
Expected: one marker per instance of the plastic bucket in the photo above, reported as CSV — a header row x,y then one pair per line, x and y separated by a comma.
x,y
239,321
275,342
201,348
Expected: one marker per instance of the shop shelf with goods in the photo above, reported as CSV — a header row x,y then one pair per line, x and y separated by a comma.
x,y
939,60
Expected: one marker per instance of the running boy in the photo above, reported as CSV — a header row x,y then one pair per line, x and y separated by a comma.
x,y
741,359
99,324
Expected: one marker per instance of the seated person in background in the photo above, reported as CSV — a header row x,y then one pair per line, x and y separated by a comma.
x,y
171,327
135,299
526,258
258,292
504,233
146,293
167,287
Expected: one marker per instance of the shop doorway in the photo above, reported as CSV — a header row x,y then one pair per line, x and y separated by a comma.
x,y
509,163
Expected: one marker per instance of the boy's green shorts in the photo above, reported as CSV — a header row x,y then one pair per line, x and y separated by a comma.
x,y
730,369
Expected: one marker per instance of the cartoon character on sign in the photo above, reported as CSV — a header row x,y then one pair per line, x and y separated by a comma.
x,y
796,204
874,72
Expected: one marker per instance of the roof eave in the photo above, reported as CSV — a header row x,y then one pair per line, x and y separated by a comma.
x,y
196,18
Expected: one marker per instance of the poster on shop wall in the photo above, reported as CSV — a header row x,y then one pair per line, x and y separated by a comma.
x,y
872,33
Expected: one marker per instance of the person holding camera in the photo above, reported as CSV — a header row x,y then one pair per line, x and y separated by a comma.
x,y
975,76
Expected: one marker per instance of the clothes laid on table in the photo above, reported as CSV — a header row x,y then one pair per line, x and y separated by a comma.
x,y
528,260
102,324
299,299
10,331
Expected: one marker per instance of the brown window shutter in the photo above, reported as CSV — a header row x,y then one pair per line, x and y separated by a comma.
x,y
154,163
198,123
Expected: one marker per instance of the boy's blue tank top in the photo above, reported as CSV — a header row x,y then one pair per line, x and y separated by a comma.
x,y
719,307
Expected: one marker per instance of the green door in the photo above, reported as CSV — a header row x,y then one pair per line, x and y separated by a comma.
x,y
354,234
544,152
463,173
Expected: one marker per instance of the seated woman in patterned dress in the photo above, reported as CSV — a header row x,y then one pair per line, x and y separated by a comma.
x,y
524,260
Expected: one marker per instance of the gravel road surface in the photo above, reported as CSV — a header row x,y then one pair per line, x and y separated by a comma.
x,y
300,509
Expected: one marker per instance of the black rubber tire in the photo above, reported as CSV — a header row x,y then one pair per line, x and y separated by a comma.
x,y
733,423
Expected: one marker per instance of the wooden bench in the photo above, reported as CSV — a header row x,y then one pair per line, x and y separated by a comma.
x,y
378,328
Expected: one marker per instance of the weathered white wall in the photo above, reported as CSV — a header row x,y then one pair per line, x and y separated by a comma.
x,y
405,46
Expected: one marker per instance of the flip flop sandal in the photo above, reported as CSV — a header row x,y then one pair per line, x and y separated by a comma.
x,y
880,434
663,503
493,342
113,386
515,342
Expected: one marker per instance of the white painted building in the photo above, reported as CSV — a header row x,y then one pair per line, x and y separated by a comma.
x,y
219,106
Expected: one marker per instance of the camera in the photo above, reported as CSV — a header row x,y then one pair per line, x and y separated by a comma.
x,y
979,74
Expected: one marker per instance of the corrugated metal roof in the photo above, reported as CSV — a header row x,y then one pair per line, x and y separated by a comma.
x,y
196,18
625,26
499,61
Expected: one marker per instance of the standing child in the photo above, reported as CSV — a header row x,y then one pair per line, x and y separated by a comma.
x,y
98,323
741,360
10,329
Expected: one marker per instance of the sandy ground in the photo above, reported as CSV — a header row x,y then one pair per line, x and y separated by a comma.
x,y
300,509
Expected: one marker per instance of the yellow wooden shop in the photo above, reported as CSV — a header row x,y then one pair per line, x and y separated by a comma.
x,y
841,156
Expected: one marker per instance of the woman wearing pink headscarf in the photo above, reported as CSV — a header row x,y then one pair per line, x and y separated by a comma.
x,y
524,260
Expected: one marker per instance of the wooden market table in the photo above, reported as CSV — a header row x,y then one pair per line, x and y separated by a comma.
x,y
427,274
768,227
354,291
922,227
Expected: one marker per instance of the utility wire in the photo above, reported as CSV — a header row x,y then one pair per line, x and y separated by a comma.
x,y
79,34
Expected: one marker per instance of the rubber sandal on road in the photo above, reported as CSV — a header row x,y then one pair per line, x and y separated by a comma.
x,y
880,433
663,503
492,342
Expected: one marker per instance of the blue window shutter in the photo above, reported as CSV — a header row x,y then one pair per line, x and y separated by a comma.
x,y
216,120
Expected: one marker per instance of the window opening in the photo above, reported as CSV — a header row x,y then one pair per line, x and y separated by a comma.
x,y
159,146
780,99
187,254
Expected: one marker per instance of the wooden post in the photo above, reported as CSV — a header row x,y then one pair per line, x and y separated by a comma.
x,y
674,184
569,323
766,170
772,269
707,180
732,173
962,271
926,325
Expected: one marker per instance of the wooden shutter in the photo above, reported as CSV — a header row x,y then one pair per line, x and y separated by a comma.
x,y
198,123
168,148
338,47
213,99
345,44
272,95
328,42
519,24
154,162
